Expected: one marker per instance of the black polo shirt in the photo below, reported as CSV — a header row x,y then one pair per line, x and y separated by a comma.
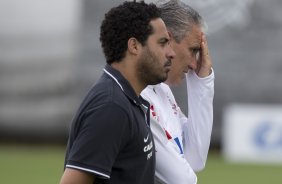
x,y
110,135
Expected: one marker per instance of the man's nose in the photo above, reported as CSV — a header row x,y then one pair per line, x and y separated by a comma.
x,y
170,52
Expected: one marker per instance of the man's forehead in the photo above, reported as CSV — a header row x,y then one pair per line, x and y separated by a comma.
x,y
158,25
193,36
159,28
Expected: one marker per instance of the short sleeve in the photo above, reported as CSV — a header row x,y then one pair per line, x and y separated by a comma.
x,y
103,133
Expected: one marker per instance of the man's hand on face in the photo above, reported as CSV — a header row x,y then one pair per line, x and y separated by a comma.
x,y
204,60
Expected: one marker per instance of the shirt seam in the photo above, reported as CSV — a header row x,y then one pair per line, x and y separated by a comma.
x,y
88,170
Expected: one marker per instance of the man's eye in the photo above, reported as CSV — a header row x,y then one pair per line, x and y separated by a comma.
x,y
164,43
195,51
197,55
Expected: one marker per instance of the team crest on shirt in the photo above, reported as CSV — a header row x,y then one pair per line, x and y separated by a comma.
x,y
154,114
173,105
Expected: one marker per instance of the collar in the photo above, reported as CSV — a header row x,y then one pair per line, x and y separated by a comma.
x,y
124,85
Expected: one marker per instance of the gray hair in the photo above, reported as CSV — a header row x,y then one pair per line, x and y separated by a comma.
x,y
179,18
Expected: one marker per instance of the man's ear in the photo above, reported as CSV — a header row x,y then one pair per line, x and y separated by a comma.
x,y
133,45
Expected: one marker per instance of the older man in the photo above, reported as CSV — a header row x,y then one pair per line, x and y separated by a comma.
x,y
182,143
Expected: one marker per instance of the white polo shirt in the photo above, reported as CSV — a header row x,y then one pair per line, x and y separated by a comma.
x,y
182,143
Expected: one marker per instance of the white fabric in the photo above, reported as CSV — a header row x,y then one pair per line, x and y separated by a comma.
x,y
193,133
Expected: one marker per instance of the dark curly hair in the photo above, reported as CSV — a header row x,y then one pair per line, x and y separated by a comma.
x,y
130,19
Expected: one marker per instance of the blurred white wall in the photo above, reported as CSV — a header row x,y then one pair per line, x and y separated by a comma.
x,y
38,49
39,17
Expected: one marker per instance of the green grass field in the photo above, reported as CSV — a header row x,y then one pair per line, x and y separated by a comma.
x,y
31,164
217,171
44,165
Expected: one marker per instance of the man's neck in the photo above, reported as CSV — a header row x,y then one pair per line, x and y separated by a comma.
x,y
128,71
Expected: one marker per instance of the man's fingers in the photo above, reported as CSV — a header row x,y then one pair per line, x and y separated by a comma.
x,y
204,45
205,64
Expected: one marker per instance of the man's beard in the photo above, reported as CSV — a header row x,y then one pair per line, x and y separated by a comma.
x,y
149,69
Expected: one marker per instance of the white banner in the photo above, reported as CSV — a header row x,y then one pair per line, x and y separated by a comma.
x,y
253,133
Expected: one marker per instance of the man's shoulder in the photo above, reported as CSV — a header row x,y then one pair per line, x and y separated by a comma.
x,y
159,90
107,92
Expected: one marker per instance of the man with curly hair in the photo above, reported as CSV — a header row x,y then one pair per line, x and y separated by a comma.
x,y
110,139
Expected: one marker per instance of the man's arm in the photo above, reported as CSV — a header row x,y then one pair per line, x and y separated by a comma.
x,y
73,176
198,127
84,159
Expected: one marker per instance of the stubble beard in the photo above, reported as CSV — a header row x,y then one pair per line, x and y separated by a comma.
x,y
149,69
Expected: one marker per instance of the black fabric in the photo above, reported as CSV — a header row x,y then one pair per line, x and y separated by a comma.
x,y
110,136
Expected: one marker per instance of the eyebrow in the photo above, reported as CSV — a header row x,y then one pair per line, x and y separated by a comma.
x,y
196,46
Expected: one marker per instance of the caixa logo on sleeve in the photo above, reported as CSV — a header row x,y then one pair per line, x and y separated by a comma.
x,y
268,135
